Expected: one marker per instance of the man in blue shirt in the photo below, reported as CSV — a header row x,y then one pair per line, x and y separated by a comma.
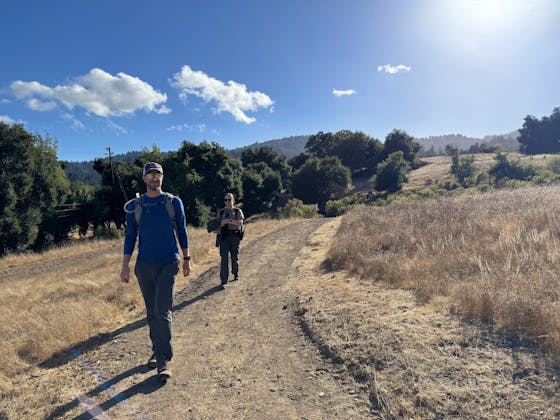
x,y
155,224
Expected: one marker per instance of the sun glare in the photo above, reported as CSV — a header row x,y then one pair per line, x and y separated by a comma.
x,y
473,27
491,14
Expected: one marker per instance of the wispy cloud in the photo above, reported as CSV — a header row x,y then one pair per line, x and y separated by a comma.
x,y
229,97
98,92
6,120
347,92
117,128
74,123
389,69
184,127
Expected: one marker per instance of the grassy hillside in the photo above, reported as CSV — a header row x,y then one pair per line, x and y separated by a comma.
x,y
437,169
492,256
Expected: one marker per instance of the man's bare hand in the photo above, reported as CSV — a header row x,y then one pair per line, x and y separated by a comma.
x,y
186,268
125,274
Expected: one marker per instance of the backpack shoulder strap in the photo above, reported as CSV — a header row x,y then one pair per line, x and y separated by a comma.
x,y
138,209
238,218
168,201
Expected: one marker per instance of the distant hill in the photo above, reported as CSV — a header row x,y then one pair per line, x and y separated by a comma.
x,y
83,171
435,145
287,146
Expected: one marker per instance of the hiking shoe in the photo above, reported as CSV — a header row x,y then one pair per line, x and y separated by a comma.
x,y
236,278
152,361
164,373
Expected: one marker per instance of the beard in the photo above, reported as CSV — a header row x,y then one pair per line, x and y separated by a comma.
x,y
154,185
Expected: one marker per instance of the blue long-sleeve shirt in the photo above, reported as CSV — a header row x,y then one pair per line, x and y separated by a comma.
x,y
156,238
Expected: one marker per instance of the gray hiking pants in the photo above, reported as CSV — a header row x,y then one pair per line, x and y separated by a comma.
x,y
157,283
229,247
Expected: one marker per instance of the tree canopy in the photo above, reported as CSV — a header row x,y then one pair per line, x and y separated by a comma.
x,y
540,136
357,151
391,173
32,183
399,140
320,179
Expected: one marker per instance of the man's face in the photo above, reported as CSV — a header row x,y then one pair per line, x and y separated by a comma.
x,y
228,201
153,180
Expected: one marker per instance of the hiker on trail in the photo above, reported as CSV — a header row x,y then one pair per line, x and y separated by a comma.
x,y
155,218
231,222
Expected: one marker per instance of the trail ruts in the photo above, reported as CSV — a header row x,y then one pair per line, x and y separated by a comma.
x,y
239,353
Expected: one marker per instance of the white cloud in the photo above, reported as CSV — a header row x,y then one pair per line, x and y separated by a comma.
x,y
38,105
97,92
389,69
6,120
229,97
347,92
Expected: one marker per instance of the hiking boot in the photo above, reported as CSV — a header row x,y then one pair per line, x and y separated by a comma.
x,y
164,373
152,361
236,278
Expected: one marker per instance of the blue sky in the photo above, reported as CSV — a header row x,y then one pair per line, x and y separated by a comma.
x,y
131,73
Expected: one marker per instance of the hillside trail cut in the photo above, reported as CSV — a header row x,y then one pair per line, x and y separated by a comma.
x,y
239,353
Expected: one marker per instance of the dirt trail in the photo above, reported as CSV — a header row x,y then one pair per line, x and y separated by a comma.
x,y
239,353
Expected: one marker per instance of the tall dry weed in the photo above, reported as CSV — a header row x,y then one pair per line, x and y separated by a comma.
x,y
495,255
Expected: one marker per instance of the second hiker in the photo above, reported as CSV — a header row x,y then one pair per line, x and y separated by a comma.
x,y
231,222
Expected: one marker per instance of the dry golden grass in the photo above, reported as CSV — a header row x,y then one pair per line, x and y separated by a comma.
x,y
77,247
416,361
62,297
495,256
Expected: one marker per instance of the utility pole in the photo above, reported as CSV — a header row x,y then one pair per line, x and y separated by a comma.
x,y
111,163
113,174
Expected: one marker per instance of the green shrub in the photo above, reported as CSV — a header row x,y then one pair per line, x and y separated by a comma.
x,y
544,177
335,208
296,208
104,232
553,165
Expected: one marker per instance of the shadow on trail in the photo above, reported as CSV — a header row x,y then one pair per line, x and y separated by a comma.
x,y
64,356
147,386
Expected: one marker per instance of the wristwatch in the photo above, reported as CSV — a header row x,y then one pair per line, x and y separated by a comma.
x,y
187,257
